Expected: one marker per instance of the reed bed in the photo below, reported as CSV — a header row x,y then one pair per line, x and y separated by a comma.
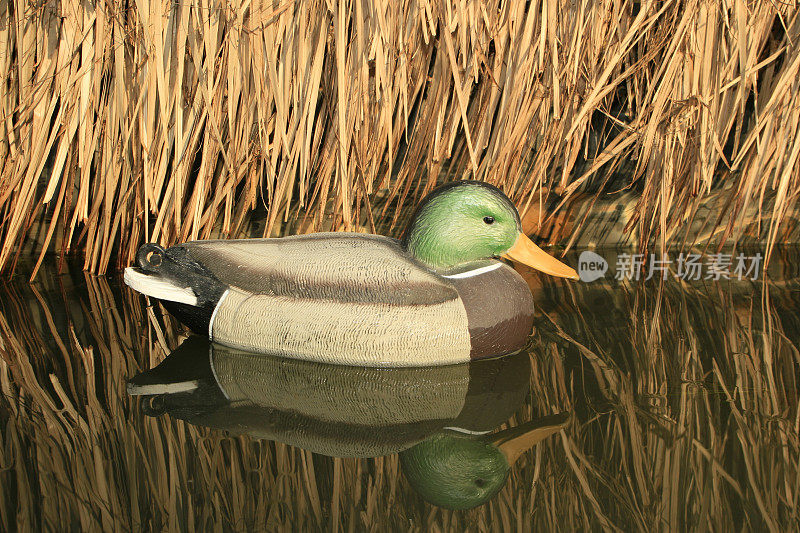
x,y
685,402
126,122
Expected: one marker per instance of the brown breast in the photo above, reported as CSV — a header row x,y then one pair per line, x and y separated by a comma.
x,y
499,309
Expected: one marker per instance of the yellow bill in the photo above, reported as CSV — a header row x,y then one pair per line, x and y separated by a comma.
x,y
527,253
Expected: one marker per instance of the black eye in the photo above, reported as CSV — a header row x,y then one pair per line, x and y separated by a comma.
x,y
480,483
488,220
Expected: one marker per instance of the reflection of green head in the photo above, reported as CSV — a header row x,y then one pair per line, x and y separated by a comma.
x,y
455,471
459,471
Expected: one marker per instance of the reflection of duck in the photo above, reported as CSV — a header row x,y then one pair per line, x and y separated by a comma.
x,y
334,410
439,296
438,419
460,471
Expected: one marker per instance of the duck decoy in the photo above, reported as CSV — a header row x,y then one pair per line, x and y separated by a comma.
x,y
438,296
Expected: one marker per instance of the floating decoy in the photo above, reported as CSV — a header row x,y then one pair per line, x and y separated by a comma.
x,y
438,296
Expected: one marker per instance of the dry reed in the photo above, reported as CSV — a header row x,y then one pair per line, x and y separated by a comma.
x,y
167,121
685,401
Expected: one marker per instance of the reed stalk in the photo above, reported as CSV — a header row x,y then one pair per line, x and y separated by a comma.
x,y
162,121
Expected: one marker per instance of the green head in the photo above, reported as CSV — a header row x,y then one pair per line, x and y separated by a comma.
x,y
465,221
461,222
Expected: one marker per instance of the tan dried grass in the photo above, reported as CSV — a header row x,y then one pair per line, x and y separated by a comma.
x,y
165,121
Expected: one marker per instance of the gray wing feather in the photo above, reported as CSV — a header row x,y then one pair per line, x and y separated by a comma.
x,y
338,266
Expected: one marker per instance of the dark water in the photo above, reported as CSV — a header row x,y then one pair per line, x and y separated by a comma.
x,y
638,405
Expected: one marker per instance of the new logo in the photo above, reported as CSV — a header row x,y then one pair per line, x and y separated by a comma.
x,y
591,266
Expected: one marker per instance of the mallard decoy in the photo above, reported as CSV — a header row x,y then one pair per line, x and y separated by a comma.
x,y
438,296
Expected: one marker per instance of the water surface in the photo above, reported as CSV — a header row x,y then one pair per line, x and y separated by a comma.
x,y
659,404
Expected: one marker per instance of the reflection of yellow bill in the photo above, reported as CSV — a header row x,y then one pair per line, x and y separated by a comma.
x,y
515,441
